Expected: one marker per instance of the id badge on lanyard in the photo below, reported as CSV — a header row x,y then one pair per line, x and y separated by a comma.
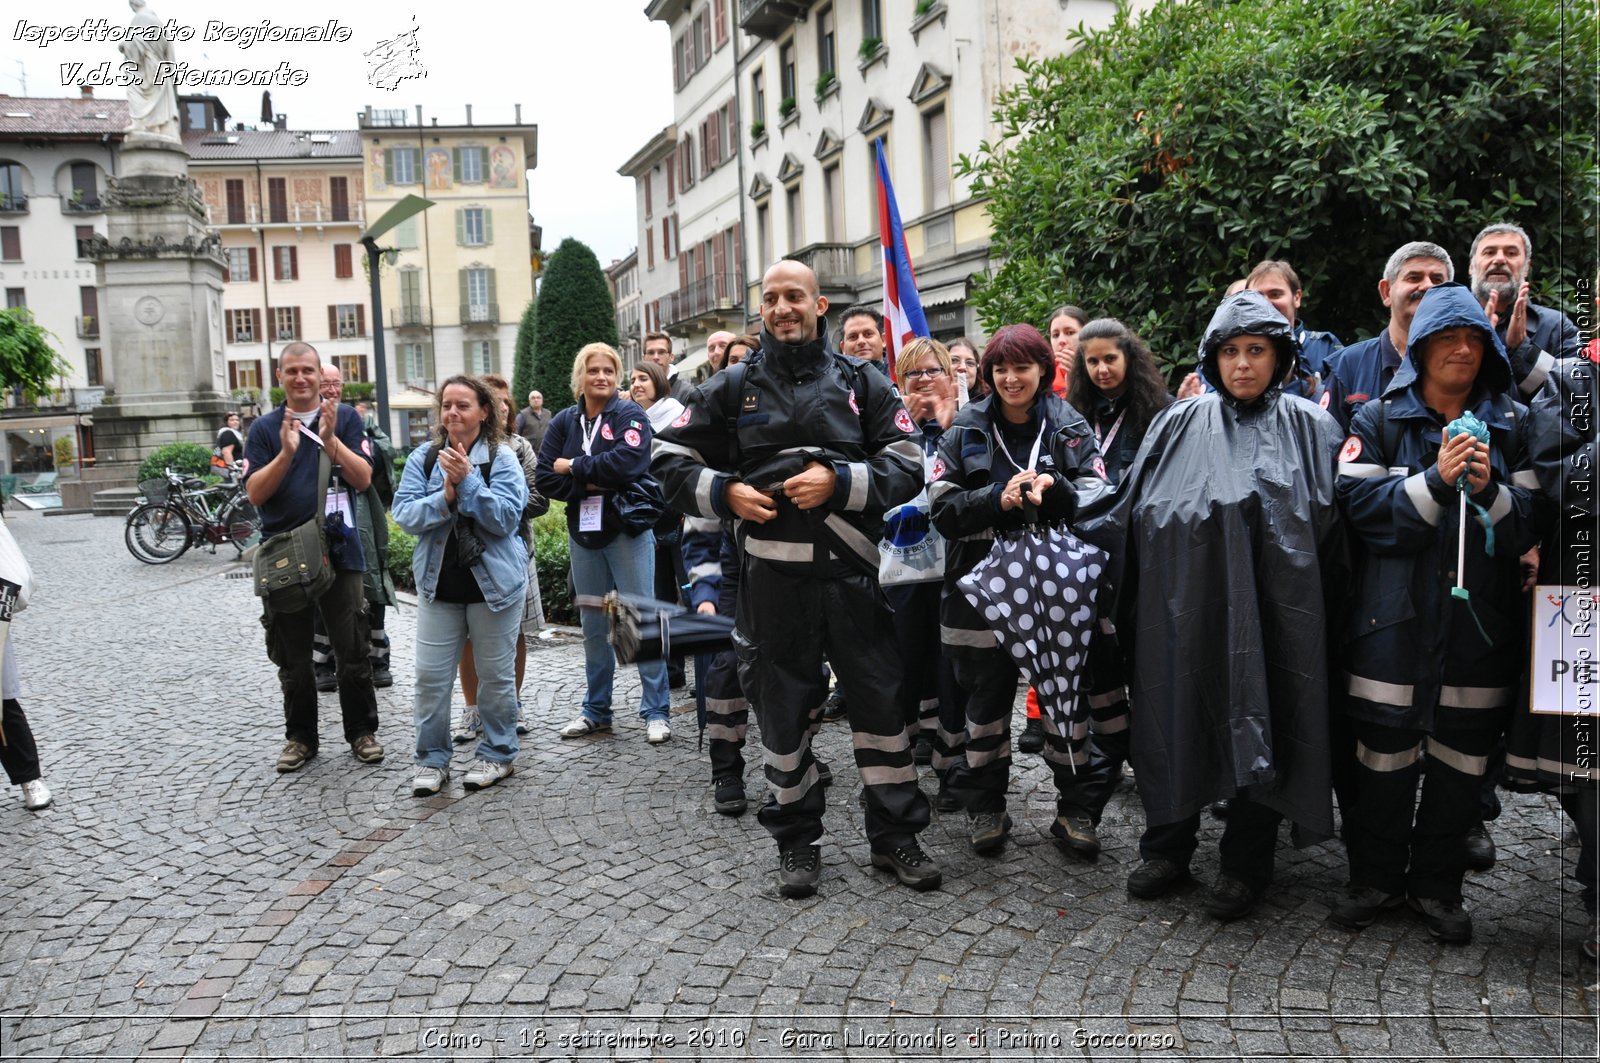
x,y
338,498
591,511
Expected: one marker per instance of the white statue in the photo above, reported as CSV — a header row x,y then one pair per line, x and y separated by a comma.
x,y
152,105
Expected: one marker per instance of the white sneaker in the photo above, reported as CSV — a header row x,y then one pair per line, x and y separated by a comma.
x,y
657,732
35,795
469,728
485,773
523,727
429,781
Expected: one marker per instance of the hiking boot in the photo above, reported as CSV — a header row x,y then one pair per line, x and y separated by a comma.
x,y
1231,899
989,830
1031,740
327,680
36,795
657,732
293,756
824,773
1360,907
945,800
523,726
1155,878
798,870
429,781
1445,920
1074,832
582,727
485,773
910,865
382,677
367,749
727,795
469,728
922,748
1480,848
833,708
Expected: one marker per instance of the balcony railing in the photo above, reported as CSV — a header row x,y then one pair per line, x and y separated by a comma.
x,y
14,204
716,293
88,327
81,205
834,264
410,317
480,313
771,18
314,213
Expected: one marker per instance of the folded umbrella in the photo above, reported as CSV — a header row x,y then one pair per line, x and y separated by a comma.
x,y
641,628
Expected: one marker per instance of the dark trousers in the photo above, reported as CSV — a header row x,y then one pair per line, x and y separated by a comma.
x,y
1088,789
785,624
670,577
1398,843
981,771
326,661
929,678
1581,803
1248,845
289,638
18,753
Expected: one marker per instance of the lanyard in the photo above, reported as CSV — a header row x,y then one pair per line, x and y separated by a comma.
x,y
1105,440
1033,456
588,434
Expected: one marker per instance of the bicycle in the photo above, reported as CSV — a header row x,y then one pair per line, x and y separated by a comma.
x,y
179,512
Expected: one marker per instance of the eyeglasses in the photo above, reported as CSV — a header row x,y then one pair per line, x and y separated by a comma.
x,y
912,374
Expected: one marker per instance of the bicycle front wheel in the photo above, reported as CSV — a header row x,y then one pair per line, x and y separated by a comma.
x,y
156,534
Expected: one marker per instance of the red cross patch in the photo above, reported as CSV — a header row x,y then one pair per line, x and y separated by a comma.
x,y
631,437
605,431
1100,468
902,419
683,418
1351,450
1323,402
853,407
366,447
938,468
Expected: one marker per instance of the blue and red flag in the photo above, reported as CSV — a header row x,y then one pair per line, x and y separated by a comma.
x,y
902,306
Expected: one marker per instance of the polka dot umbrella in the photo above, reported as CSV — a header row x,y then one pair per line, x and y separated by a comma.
x,y
1038,590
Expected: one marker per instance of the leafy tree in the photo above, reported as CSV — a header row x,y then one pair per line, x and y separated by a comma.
x,y
1156,163
522,366
27,360
191,459
575,308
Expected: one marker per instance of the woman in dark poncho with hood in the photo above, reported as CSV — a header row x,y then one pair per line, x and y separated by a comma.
x,y
1427,673
1226,530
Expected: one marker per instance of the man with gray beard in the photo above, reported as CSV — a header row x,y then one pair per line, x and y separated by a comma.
x,y
1535,336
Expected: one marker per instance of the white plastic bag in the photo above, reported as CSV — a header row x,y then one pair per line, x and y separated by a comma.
x,y
16,578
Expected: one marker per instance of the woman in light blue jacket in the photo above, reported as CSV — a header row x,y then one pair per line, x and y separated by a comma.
x,y
462,497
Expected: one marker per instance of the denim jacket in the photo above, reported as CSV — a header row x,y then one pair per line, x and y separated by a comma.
x,y
420,509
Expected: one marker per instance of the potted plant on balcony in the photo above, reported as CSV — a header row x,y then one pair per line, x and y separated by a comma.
x,y
786,107
758,129
870,47
825,83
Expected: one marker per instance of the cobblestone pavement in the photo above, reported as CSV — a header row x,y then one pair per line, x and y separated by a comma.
x,y
181,898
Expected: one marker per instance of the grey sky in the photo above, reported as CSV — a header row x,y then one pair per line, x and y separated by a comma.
x,y
594,76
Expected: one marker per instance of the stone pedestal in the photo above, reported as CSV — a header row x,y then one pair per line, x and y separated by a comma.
x,y
160,277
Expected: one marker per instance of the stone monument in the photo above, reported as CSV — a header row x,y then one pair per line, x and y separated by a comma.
x,y
160,276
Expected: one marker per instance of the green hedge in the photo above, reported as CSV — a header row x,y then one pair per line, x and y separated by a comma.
x,y
550,547
192,459
354,391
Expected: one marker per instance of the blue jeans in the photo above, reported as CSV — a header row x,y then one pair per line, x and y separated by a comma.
x,y
627,563
442,629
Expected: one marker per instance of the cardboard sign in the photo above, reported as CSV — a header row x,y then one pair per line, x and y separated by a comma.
x,y
1564,673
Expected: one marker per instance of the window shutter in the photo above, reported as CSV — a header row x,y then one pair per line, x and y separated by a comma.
x,y
461,222
649,208
342,266
294,322
719,259
461,276
650,249
494,348
255,324
488,226
720,8
227,272
361,361
735,245
277,265
233,376
388,167
672,186
455,164
732,125
361,330
333,322
483,164
683,271
254,271
294,263
427,360
492,298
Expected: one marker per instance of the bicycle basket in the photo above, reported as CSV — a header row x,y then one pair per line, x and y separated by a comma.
x,y
154,490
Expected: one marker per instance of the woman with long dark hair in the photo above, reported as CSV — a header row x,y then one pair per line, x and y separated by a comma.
x,y
1115,384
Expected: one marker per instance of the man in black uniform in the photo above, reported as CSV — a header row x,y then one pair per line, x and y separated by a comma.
x,y
807,448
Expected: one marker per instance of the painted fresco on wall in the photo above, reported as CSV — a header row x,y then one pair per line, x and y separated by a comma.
x,y
438,170
502,168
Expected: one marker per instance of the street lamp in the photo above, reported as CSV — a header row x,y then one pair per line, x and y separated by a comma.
x,y
406,208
